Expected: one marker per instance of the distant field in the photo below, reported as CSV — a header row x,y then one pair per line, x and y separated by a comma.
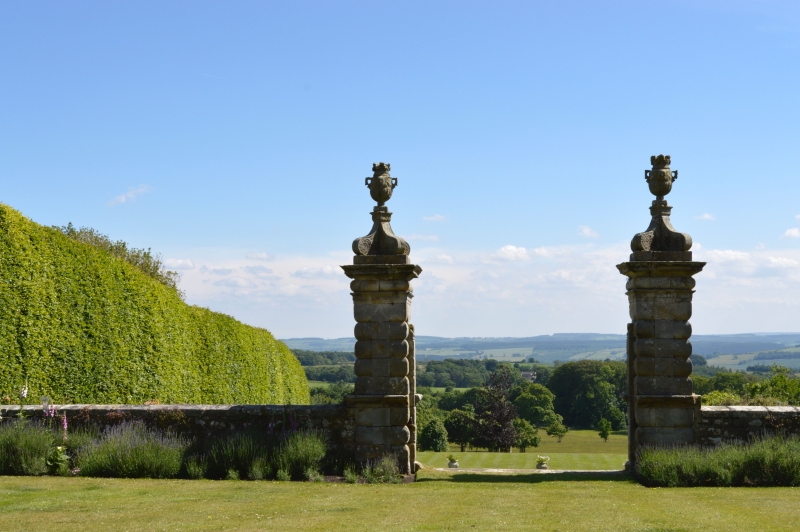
x,y
740,362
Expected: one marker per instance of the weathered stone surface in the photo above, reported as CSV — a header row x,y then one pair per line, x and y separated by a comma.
x,y
201,422
661,405
385,366
741,424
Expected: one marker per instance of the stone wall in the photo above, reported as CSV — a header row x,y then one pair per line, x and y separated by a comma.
x,y
740,424
201,422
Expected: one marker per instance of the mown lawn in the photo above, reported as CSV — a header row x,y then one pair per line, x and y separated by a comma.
x,y
438,501
579,449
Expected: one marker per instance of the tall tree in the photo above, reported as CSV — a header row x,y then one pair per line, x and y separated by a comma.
x,y
495,414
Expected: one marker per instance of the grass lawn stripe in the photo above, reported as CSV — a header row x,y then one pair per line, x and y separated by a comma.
x,y
438,501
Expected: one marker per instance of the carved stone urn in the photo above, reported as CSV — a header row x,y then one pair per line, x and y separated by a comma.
x,y
381,244
661,242
381,184
660,178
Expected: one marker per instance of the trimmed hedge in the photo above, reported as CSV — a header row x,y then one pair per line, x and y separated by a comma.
x,y
82,326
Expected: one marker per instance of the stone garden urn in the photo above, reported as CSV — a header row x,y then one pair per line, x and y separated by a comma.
x,y
452,462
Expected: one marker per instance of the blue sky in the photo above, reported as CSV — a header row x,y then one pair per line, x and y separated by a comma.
x,y
233,138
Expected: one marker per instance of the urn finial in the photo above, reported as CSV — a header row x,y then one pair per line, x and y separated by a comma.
x,y
660,178
381,245
661,241
381,184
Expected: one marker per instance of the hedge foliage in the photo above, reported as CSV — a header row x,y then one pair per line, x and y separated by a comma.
x,y
82,326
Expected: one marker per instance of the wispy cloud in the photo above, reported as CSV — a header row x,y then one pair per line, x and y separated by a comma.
x,y
423,237
179,264
130,195
435,218
260,256
512,253
512,291
794,232
705,216
588,232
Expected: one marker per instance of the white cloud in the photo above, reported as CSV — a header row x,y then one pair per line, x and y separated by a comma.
x,y
258,271
260,256
782,262
234,282
314,273
728,255
705,216
512,253
588,232
794,232
179,264
423,237
515,291
435,218
798,217
130,195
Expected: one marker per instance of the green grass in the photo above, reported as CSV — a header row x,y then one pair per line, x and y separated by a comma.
x,y
525,460
579,449
438,501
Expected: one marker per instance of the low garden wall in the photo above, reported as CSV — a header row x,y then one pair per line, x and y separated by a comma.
x,y
740,424
201,422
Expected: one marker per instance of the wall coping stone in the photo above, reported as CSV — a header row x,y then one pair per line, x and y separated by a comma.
x,y
750,409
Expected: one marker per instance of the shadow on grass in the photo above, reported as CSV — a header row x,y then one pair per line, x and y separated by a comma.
x,y
530,478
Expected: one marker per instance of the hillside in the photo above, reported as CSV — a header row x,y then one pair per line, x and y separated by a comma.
x,y
82,326
563,347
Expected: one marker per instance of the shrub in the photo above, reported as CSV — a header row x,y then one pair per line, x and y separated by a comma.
x,y
382,471
196,467
83,325
351,475
240,452
131,450
301,452
25,447
604,428
764,462
433,437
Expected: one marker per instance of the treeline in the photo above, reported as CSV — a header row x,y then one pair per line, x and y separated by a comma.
x,y
577,394
330,373
323,358
451,373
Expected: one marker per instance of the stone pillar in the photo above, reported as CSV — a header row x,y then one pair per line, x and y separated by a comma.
x,y
383,397
659,289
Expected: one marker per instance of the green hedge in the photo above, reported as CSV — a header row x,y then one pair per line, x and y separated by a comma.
x,y
81,326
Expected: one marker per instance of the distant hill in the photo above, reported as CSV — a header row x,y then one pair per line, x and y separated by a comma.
x,y
567,346
80,324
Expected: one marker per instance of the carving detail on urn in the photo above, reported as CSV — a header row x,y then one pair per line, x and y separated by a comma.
x,y
660,237
381,184
381,240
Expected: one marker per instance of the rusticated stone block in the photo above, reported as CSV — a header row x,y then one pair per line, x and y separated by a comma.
x,y
394,312
373,417
381,386
381,331
665,417
370,349
662,385
663,348
670,367
664,435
